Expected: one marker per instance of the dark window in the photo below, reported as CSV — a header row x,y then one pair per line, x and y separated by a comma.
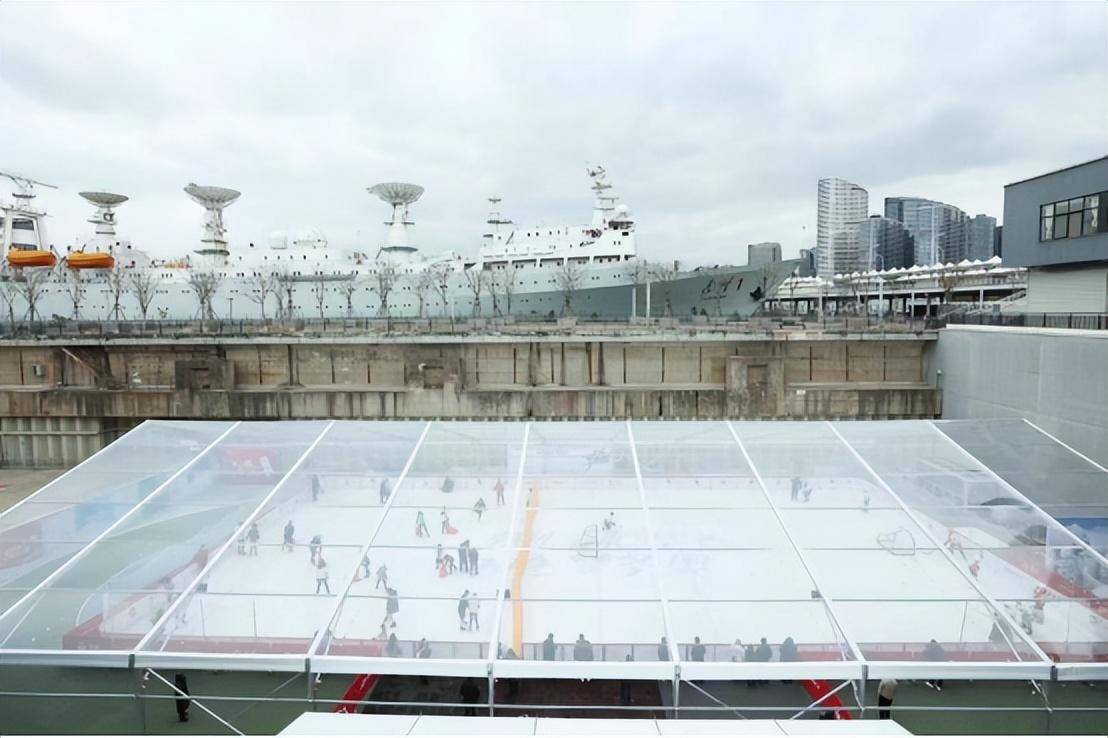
x,y
1075,223
1072,218
1060,226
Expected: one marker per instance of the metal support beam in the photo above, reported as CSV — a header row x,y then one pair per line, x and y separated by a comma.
x,y
194,701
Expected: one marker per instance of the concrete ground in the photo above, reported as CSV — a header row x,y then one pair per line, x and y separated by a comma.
x,y
16,484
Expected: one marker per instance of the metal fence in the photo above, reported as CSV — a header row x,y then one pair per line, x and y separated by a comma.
x,y
1081,321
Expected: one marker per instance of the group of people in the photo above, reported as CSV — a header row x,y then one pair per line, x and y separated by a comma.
x,y
468,559
249,536
469,609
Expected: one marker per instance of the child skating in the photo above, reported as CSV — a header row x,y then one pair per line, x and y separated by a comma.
x,y
421,526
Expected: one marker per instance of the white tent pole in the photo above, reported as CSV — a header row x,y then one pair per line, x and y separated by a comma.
x,y
667,623
71,470
509,546
341,599
828,602
213,560
1066,445
1019,495
997,609
111,529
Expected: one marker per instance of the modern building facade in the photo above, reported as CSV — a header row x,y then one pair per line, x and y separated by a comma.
x,y
938,229
767,252
981,237
1056,225
884,243
842,205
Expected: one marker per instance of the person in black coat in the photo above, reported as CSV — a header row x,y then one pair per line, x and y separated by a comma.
x,y
183,700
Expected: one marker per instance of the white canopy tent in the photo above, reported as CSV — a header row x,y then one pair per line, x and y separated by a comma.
x,y
855,550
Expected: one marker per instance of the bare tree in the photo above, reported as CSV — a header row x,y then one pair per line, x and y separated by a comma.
x,y
262,285
424,283
8,292
478,280
665,273
204,285
320,291
286,290
440,276
117,284
504,286
75,286
348,287
31,287
569,278
383,280
144,283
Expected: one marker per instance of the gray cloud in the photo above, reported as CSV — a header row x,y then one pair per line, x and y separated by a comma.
x,y
715,120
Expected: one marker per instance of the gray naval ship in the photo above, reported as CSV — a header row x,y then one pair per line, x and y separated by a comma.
x,y
588,271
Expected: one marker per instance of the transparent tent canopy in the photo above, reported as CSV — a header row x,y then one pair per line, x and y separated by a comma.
x,y
801,549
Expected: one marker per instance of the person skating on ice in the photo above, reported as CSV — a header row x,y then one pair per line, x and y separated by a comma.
x,y
315,547
382,577
321,576
384,491
290,531
794,489
462,608
447,565
479,508
365,566
474,606
240,545
438,557
392,606
316,487
463,556
610,521
473,560
254,535
499,487
421,525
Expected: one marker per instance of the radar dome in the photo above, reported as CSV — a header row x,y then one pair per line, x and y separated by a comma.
x,y
310,237
278,240
622,209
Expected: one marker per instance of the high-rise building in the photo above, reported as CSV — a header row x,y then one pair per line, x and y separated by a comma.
x,y
842,205
884,243
937,229
767,252
981,237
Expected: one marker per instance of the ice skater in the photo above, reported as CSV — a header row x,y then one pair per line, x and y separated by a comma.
x,y
447,566
384,491
290,530
954,544
473,560
317,488
421,526
807,492
365,566
463,556
382,578
794,489
438,557
499,487
254,536
610,521
865,502
315,547
446,528
392,606
975,567
462,608
321,576
479,508
474,606
240,546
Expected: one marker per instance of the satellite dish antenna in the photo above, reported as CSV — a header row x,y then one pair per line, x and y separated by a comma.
x,y
104,218
400,195
213,199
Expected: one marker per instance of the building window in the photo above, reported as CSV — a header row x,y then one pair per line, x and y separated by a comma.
x,y
1073,218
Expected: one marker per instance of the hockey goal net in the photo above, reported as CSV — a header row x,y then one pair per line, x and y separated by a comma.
x,y
589,543
899,542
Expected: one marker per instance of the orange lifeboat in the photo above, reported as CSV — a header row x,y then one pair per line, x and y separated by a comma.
x,y
90,260
31,258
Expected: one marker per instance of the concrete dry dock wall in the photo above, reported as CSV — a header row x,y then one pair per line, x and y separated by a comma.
x,y
1057,379
655,375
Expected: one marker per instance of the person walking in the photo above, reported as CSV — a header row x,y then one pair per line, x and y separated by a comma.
x,y
382,577
321,576
290,531
463,555
499,487
886,691
254,535
463,606
421,526
384,491
697,651
474,606
549,648
473,560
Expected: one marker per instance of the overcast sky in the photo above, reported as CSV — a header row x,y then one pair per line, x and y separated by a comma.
x,y
714,121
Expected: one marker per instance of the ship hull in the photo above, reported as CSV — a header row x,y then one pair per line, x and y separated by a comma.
x,y
732,292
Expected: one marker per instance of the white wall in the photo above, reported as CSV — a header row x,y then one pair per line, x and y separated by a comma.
x,y
1057,379
1082,290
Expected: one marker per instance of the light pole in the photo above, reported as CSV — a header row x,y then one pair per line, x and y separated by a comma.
x,y
880,287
